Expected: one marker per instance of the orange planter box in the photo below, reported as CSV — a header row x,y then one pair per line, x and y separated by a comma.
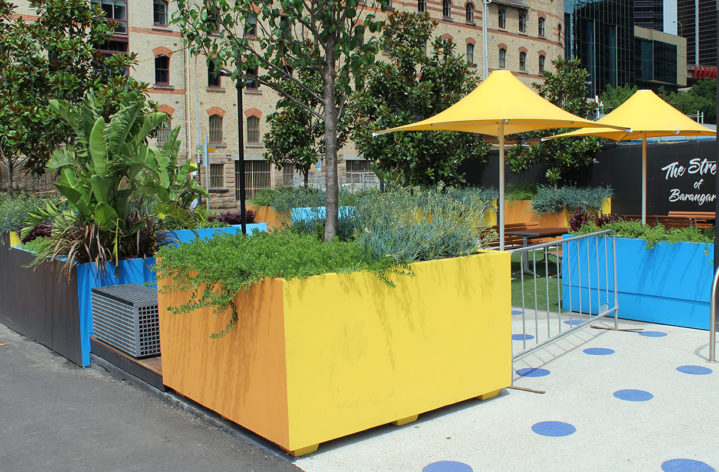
x,y
266,214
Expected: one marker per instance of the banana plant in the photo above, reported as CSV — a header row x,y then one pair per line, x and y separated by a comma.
x,y
113,180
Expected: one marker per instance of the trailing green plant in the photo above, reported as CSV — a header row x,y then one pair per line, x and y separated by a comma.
x,y
416,224
555,199
37,245
214,271
118,189
651,234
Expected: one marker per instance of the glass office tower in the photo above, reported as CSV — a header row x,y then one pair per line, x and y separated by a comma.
x,y
601,34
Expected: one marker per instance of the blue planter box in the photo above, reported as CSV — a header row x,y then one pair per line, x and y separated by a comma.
x,y
308,214
188,235
668,284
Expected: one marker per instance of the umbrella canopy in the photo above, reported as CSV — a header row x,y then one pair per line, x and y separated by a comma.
x,y
499,106
647,116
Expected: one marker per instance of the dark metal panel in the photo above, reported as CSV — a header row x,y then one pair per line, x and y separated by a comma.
x,y
39,302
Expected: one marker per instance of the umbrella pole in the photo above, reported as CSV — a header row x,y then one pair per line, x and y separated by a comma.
x,y
644,178
500,209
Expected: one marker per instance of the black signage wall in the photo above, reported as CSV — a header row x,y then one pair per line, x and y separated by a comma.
x,y
680,176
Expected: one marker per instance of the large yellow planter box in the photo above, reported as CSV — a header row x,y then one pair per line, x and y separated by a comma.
x,y
315,359
15,239
266,214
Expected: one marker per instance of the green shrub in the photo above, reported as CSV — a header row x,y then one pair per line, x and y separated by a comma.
x,y
521,192
14,211
411,225
555,199
215,270
652,235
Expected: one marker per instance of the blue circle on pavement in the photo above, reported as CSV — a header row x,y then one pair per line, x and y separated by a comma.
x,y
532,372
598,351
447,466
516,312
686,465
573,322
694,370
522,337
631,395
553,429
652,334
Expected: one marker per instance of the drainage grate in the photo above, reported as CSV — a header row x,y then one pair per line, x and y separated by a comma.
x,y
125,316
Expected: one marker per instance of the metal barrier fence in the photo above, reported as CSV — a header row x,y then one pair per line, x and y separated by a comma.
x,y
713,319
565,285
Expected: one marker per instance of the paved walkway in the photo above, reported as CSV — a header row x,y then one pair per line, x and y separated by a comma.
x,y
55,416
614,401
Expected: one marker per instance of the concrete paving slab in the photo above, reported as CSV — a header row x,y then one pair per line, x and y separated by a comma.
x,y
58,417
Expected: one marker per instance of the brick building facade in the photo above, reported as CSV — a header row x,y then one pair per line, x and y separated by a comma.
x,y
523,36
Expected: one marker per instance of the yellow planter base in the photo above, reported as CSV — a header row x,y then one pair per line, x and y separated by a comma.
x,y
315,359
15,239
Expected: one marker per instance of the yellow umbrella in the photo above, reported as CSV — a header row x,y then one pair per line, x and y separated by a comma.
x,y
647,116
499,106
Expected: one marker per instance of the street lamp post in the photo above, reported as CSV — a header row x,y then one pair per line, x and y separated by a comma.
x,y
240,148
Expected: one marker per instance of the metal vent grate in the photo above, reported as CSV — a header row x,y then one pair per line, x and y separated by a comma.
x,y
125,316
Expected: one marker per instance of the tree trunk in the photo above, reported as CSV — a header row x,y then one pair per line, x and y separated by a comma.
x,y
330,142
306,175
10,169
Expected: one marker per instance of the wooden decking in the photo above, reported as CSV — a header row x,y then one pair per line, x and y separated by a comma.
x,y
148,369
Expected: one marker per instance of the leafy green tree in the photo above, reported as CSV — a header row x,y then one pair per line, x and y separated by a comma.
x,y
53,57
296,136
615,96
414,83
566,88
702,96
266,40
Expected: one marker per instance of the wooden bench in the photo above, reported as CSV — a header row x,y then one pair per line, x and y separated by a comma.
x,y
700,219
511,241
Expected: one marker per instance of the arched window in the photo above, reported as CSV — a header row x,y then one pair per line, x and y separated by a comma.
x,y
446,8
470,53
469,12
523,61
213,77
162,70
215,129
502,18
163,133
421,6
159,12
502,58
253,130
541,64
522,22
251,80
540,27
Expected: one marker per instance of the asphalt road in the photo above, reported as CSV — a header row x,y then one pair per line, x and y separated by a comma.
x,y
56,416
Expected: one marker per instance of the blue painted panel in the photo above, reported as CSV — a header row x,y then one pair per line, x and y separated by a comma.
x,y
318,213
187,235
668,284
132,271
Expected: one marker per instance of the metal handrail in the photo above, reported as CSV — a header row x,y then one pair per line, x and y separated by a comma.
x,y
713,319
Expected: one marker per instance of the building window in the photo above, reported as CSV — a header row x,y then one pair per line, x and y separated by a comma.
x,y
162,70
421,6
540,27
251,81
288,175
559,32
251,26
502,58
213,76
469,12
522,23
215,129
541,64
115,10
159,12
253,130
470,53
163,133
257,177
522,61
502,18
217,175
446,9
356,171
